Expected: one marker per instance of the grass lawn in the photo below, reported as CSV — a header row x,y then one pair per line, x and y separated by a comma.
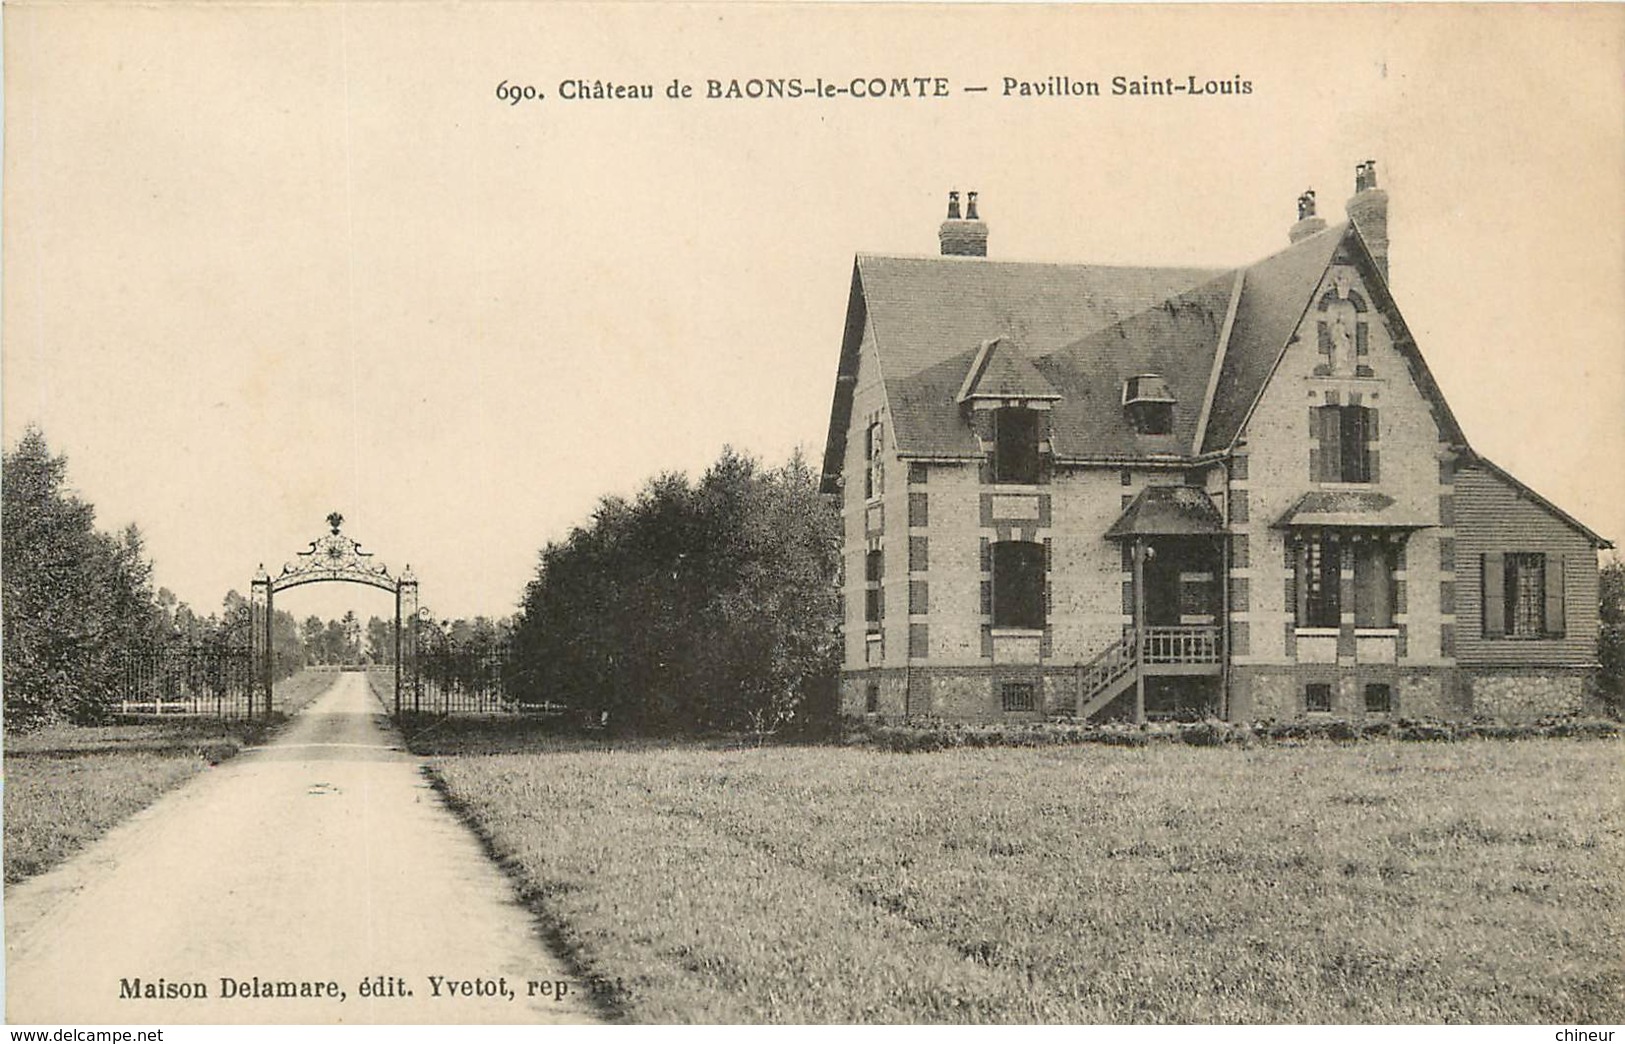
x,y
66,786
1378,882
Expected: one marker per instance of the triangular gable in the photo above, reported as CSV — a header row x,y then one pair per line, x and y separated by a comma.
x,y
1540,501
1002,371
1279,292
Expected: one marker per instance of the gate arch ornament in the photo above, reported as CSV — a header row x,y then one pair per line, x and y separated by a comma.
x,y
333,558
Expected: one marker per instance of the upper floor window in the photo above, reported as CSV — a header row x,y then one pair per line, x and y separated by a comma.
x,y
1522,595
1018,584
1345,434
1149,404
874,476
1015,445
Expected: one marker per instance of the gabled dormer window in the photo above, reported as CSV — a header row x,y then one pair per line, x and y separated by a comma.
x,y
1148,404
1015,453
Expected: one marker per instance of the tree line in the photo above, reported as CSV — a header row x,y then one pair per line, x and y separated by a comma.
x,y
78,604
694,606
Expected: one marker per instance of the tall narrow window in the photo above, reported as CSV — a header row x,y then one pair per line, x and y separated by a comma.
x,y
874,599
1015,452
1345,443
1526,595
1018,584
874,476
1320,602
1373,584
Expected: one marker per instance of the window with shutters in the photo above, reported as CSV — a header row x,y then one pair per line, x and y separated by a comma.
x,y
1015,445
1345,434
1018,584
1522,595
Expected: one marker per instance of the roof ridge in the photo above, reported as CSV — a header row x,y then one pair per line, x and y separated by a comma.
x,y
955,259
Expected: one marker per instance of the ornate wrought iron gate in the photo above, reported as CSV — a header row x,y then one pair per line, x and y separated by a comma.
x,y
333,557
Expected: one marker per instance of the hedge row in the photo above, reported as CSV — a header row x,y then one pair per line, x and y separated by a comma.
x,y
929,736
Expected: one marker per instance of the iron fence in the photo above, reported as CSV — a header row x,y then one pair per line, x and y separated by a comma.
x,y
215,682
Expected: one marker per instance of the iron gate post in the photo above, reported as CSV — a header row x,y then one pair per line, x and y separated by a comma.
x,y
397,652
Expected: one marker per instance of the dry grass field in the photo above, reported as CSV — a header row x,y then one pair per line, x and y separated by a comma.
x,y
1377,882
66,786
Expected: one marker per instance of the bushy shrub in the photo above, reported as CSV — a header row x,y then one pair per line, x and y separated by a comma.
x,y
927,736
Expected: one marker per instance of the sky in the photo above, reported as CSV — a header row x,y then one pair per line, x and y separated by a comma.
x,y
264,262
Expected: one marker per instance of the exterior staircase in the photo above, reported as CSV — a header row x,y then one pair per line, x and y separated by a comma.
x,y
1158,650
1103,679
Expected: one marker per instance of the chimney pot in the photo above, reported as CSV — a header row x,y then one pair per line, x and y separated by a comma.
x,y
963,236
1307,224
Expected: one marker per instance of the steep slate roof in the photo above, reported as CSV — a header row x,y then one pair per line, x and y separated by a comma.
x,y
952,326
1277,292
930,317
1176,338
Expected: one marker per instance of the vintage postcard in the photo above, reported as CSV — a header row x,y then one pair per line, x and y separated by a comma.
x,y
526,513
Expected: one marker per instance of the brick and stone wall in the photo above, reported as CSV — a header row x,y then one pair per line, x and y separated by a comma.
x,y
1278,468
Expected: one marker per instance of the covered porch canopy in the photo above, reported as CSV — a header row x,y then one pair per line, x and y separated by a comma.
x,y
1349,509
1168,511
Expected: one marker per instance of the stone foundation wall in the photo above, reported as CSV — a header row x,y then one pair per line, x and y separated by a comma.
x,y
1277,694
1526,695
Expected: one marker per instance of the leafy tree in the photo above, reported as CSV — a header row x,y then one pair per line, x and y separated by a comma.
x,y
314,632
380,640
698,606
76,601
1611,636
288,654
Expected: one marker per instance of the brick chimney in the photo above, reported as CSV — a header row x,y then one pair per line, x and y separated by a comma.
x,y
1308,224
963,236
1368,209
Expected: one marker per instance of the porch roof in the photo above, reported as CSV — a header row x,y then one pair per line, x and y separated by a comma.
x,y
1349,508
1168,511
